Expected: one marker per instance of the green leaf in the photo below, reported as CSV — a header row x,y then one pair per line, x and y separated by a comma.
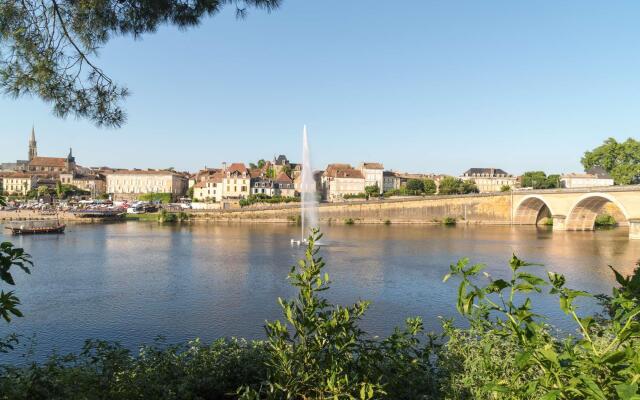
x,y
627,391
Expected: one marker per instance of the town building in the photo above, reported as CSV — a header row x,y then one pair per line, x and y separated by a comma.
x,y
339,180
209,188
490,179
373,173
94,183
236,181
390,181
282,185
593,177
129,184
17,183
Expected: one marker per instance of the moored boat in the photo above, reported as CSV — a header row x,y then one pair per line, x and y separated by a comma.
x,y
26,229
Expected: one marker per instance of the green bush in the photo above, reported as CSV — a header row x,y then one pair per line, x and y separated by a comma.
x,y
164,198
104,370
355,196
319,351
601,362
263,198
165,216
449,221
349,221
605,220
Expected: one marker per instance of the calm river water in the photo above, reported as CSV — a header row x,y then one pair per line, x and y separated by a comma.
x,y
133,281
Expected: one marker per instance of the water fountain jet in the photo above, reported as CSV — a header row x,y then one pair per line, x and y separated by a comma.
x,y
308,196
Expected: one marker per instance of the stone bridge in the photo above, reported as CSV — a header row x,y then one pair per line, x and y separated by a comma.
x,y
577,209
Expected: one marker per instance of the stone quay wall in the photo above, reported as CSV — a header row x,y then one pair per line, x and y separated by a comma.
x,y
473,209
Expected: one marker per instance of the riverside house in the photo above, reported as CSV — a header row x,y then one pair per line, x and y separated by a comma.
x,y
593,177
373,173
339,180
490,179
236,181
130,183
17,183
209,187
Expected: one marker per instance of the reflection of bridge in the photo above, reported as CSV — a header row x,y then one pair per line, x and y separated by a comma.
x,y
576,209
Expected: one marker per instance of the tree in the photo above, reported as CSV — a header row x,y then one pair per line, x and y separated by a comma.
x,y
47,47
430,186
505,188
261,163
415,186
190,192
372,190
620,160
451,185
540,180
10,256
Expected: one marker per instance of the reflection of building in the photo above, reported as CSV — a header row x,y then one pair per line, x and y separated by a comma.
x,y
339,180
489,179
596,176
373,174
17,183
129,184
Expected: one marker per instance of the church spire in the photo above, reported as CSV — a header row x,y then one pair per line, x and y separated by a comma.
x,y
33,146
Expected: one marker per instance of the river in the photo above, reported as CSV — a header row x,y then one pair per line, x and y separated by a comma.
x,y
133,281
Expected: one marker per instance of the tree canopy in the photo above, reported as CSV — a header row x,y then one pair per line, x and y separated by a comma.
x,y
451,185
540,180
620,160
48,47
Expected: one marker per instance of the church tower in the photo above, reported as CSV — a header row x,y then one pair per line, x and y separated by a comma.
x,y
33,147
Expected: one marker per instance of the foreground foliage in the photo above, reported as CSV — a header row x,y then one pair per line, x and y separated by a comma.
x,y
319,351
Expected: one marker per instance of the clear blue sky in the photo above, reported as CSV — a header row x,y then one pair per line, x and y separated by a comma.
x,y
423,86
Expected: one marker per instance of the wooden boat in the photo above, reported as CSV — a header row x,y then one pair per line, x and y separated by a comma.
x,y
23,229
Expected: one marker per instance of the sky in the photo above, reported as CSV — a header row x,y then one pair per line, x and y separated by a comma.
x,y
422,86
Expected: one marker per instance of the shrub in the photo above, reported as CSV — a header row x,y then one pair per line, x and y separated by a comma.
x,y
605,220
449,221
104,370
349,221
355,196
602,362
430,186
387,222
164,198
165,216
320,352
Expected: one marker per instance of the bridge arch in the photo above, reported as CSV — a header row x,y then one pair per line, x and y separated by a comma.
x,y
531,210
583,213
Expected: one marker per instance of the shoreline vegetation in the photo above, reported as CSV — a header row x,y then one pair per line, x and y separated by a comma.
x,y
318,350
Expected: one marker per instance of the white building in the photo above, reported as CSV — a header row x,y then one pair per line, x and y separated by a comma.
x,y
490,179
373,173
17,183
592,178
129,184
339,180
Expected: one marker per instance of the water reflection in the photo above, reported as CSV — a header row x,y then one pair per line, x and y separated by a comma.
x,y
132,281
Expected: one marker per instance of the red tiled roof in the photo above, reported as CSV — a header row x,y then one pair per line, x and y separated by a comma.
x,y
237,167
283,178
372,165
57,162
141,172
343,171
